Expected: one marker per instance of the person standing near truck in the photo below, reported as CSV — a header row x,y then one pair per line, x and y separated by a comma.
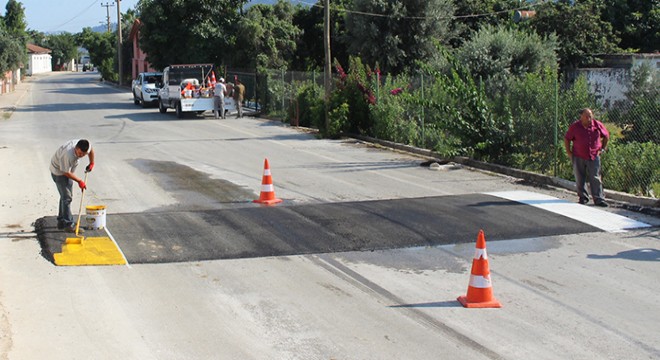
x,y
219,99
239,93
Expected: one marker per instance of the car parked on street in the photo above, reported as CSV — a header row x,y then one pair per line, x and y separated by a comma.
x,y
145,88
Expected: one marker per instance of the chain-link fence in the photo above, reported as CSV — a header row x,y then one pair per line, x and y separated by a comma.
x,y
520,126
249,80
632,163
279,90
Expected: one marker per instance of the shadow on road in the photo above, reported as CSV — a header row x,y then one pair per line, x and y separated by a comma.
x,y
644,254
436,304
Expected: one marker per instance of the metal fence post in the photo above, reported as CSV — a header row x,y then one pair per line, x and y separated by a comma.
x,y
423,115
556,127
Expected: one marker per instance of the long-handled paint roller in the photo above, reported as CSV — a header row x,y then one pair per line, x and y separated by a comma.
x,y
79,238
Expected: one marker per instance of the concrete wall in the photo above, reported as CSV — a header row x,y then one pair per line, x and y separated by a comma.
x,y
652,61
9,81
6,84
610,85
39,63
139,61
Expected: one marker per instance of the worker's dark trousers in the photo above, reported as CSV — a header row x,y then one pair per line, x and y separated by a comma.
x,y
65,188
588,171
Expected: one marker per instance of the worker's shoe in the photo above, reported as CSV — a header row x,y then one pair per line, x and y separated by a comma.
x,y
72,229
583,201
602,203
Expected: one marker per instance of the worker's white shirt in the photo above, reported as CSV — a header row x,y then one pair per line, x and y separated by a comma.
x,y
65,159
219,90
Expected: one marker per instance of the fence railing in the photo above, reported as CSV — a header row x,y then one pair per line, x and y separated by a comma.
x,y
533,117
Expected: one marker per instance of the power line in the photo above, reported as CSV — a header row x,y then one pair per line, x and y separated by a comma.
x,y
453,17
75,17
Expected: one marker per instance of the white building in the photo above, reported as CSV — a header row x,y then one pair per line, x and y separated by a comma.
x,y
39,60
611,81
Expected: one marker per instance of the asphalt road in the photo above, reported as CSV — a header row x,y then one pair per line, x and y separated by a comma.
x,y
363,259
320,228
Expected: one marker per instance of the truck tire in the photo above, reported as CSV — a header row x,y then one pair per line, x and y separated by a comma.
x,y
144,104
161,107
135,100
179,113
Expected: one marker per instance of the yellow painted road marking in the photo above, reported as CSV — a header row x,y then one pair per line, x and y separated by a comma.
x,y
91,251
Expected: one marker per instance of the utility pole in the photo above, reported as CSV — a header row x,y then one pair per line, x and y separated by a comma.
x,y
107,10
327,73
121,70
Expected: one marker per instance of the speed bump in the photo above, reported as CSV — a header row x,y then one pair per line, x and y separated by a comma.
x,y
90,251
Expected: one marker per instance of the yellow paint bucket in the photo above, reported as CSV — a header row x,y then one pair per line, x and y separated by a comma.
x,y
95,217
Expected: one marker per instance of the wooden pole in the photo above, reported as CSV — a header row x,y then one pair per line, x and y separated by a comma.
x,y
327,74
119,41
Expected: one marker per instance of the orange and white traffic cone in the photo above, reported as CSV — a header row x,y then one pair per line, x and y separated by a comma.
x,y
480,289
213,81
267,196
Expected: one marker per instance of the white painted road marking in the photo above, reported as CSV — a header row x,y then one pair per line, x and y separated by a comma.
x,y
601,219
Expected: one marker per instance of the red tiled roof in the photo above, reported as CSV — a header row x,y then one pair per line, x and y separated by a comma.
x,y
34,49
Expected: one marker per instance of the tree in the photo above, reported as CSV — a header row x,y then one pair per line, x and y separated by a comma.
x,y
310,53
463,108
496,54
397,33
267,36
127,19
180,31
309,50
14,20
13,37
581,31
637,22
102,51
63,48
36,37
12,52
471,15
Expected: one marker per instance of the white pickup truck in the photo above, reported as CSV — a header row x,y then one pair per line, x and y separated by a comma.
x,y
145,87
183,90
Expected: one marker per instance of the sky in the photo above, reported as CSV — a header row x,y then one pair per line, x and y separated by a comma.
x,y
70,15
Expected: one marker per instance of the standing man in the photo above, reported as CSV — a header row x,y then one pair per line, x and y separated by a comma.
x,y
62,168
239,93
589,137
219,98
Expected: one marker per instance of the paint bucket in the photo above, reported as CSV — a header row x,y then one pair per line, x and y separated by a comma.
x,y
95,217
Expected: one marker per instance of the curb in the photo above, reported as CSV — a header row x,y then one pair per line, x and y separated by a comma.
x,y
13,98
640,204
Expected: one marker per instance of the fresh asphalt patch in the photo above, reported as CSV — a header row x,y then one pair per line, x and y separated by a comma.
x,y
260,231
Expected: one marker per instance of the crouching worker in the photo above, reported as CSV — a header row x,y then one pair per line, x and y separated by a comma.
x,y
62,168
